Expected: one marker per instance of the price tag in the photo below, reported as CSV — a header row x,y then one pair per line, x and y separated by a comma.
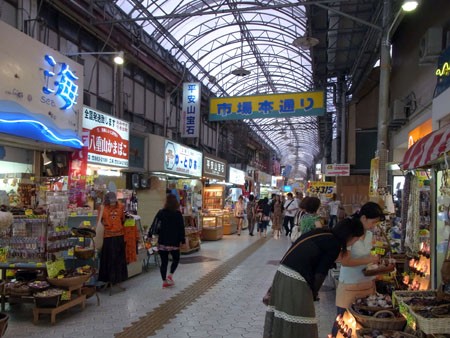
x,y
66,295
70,252
379,243
81,239
89,213
28,212
380,251
73,214
87,223
12,265
129,222
39,265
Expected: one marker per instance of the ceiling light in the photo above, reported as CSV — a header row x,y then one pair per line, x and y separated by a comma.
x,y
305,42
410,5
46,160
118,59
241,71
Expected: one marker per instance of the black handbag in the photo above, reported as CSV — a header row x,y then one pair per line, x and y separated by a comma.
x,y
155,227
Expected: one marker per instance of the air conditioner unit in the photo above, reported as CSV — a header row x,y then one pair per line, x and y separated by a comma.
x,y
399,111
430,46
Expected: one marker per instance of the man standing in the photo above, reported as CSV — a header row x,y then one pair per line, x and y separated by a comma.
x,y
290,209
333,206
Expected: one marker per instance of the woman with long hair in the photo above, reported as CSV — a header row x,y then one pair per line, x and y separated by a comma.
x,y
170,237
239,213
352,282
301,273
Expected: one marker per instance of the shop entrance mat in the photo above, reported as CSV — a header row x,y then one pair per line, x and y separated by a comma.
x,y
147,325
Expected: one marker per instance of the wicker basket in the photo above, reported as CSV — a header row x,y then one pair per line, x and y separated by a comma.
x,y
373,322
395,334
432,325
49,301
69,281
84,254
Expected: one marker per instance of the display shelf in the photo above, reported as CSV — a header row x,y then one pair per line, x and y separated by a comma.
x,y
213,197
212,228
229,223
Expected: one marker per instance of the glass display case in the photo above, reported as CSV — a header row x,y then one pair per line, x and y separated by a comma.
x,y
212,226
213,197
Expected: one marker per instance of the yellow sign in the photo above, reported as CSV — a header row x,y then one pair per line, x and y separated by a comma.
x,y
374,175
265,106
318,187
444,70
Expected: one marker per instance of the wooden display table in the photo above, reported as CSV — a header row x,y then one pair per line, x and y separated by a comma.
x,y
79,299
212,233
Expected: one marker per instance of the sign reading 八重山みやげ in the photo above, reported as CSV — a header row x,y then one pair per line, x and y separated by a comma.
x,y
108,138
264,106
214,167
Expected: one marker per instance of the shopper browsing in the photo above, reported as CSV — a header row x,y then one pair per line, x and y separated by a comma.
x,y
352,282
302,271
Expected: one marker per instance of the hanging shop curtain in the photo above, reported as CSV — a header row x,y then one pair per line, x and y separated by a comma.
x,y
428,149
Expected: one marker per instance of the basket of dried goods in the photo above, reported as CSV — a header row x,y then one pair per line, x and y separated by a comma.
x,y
83,232
17,289
67,279
38,285
83,252
47,298
381,320
375,333
375,302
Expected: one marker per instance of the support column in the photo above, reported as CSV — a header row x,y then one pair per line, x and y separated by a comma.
x,y
383,101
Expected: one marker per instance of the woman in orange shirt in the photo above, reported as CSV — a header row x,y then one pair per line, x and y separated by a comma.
x,y
113,265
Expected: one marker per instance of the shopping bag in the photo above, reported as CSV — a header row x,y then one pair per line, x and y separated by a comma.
x,y
99,231
155,227
295,233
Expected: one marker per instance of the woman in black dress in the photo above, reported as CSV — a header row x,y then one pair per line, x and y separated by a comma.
x,y
302,271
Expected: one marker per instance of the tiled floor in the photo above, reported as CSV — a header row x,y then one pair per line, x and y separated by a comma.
x,y
228,304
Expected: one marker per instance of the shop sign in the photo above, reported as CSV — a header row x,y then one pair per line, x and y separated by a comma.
x,y
190,113
39,91
267,106
182,160
108,138
265,178
214,167
236,176
318,187
442,73
337,169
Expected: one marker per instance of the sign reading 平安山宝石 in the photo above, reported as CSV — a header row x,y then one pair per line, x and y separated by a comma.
x,y
265,106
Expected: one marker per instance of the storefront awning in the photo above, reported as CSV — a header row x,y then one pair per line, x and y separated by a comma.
x,y
428,149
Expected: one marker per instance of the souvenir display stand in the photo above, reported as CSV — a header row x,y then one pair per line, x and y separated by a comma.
x,y
34,241
192,232
213,206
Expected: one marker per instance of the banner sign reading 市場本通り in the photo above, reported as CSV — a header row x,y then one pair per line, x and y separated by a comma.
x,y
264,106
190,113
108,138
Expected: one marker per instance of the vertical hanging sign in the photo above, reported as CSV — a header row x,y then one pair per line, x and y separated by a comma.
x,y
190,114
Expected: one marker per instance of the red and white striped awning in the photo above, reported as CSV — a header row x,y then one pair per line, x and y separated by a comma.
x,y
428,149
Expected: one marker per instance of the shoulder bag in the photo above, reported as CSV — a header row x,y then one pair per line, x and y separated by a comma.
x,y
266,298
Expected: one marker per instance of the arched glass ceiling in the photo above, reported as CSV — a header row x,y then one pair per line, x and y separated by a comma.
x,y
214,37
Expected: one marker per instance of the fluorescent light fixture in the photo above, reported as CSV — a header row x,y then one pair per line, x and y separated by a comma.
x,y
392,166
118,58
410,5
45,159
107,172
